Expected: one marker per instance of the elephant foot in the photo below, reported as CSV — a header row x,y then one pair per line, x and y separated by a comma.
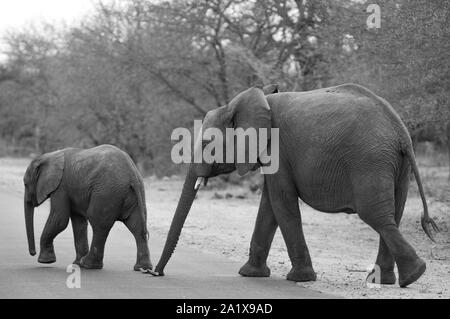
x,y
79,255
387,277
87,263
248,270
143,266
410,273
77,261
302,274
47,256
157,272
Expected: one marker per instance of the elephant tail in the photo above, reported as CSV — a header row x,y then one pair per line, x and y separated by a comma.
x,y
140,197
426,220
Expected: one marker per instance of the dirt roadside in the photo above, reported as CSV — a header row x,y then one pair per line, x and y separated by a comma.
x,y
342,247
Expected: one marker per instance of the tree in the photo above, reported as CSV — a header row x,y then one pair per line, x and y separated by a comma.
x,y
136,69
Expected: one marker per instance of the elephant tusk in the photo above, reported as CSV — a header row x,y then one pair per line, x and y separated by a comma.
x,y
199,183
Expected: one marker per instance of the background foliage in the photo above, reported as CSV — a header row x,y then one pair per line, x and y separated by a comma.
x,y
135,69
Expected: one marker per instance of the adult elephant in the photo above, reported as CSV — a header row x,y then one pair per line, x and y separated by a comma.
x,y
101,185
341,149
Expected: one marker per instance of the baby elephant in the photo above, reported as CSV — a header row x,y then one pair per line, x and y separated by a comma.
x,y
99,184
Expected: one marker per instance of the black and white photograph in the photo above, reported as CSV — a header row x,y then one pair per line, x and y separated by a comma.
x,y
224,154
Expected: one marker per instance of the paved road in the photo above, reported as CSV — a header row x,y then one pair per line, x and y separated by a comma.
x,y
190,274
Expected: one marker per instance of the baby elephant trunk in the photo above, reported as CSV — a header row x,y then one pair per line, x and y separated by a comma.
x,y
29,217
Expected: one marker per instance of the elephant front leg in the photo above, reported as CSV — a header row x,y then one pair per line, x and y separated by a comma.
x,y
80,226
284,200
262,238
57,221
102,220
94,259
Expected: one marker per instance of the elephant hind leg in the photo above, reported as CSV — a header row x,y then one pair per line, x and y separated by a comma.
x,y
376,207
383,272
385,261
137,228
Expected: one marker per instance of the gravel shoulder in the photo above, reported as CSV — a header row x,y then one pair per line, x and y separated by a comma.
x,y
342,247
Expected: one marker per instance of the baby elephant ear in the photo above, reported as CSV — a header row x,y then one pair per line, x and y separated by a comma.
x,y
50,172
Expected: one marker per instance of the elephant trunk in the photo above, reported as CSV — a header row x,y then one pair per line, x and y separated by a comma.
x,y
29,216
184,205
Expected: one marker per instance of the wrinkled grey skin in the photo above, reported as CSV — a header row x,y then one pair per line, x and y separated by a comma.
x,y
342,149
101,185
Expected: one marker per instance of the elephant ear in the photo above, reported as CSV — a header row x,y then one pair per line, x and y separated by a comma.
x,y
250,109
49,174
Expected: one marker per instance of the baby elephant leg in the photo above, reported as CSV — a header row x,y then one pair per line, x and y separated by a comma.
x,y
139,230
57,221
102,218
80,226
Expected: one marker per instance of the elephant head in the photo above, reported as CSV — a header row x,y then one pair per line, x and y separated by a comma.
x,y
41,179
249,109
